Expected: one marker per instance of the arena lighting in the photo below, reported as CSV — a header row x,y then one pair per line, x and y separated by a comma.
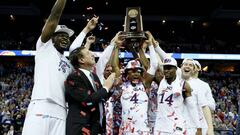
x,y
128,55
205,68
238,22
163,21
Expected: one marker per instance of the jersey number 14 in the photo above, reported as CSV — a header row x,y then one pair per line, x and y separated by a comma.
x,y
169,99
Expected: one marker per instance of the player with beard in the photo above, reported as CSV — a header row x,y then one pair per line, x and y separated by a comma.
x,y
211,101
205,117
201,101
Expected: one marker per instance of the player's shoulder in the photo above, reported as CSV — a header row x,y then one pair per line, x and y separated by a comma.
x,y
202,82
75,73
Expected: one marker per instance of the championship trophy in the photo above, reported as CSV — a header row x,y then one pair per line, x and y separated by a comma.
x,y
133,28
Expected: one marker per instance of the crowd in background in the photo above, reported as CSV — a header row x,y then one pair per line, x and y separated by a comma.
x,y
16,81
176,44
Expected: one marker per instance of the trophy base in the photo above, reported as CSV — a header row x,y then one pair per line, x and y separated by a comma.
x,y
135,35
133,40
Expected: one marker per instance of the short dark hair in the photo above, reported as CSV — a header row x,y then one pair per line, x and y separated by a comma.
x,y
75,55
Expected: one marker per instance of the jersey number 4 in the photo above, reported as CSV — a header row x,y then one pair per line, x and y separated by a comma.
x,y
169,99
134,98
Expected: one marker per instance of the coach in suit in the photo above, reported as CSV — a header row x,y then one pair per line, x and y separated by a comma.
x,y
85,95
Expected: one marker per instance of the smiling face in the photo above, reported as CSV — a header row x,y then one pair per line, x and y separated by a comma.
x,y
169,72
187,68
134,75
61,41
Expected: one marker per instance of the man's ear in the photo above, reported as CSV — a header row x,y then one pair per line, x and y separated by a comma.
x,y
81,60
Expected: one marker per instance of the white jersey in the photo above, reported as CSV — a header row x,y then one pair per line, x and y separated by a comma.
x,y
200,101
170,107
51,70
134,102
206,98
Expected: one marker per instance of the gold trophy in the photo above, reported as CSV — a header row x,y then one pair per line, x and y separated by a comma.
x,y
133,27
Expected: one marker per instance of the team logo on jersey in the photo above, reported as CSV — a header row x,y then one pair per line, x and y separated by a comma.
x,y
167,60
134,63
63,66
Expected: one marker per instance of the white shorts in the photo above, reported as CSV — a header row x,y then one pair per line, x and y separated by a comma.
x,y
38,123
43,125
161,133
167,133
136,133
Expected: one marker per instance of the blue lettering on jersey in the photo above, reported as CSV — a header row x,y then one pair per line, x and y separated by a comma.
x,y
63,65
138,89
169,87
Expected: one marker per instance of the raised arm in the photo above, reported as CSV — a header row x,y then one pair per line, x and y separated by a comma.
x,y
90,40
159,50
149,76
103,60
118,41
53,20
143,59
79,39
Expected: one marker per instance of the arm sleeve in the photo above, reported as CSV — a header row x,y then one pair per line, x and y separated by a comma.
x,y
202,99
211,101
161,53
153,61
192,109
77,42
205,96
39,43
102,61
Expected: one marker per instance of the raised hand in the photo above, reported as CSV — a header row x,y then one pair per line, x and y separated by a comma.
x,y
91,39
91,24
150,38
119,39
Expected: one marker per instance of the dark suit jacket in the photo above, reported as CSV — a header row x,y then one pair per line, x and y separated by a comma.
x,y
83,115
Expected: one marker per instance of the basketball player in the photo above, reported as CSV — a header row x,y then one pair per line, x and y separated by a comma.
x,y
205,119
46,113
133,94
173,95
